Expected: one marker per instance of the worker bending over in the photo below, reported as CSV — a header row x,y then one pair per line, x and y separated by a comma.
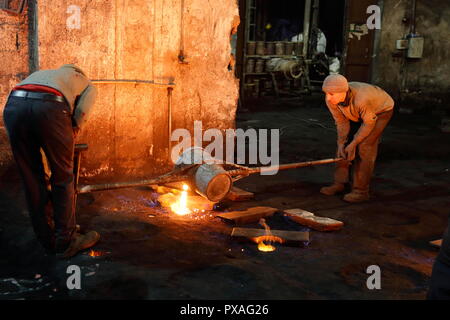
x,y
373,108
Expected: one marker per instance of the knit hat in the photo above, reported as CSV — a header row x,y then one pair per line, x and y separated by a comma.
x,y
335,83
74,67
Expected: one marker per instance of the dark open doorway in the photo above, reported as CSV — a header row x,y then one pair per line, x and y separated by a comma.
x,y
310,34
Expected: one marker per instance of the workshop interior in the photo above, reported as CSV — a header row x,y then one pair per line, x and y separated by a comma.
x,y
224,150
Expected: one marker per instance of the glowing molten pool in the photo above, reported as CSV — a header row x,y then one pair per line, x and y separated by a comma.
x,y
265,243
265,247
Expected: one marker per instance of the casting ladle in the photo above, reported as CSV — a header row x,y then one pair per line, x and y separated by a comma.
x,y
211,180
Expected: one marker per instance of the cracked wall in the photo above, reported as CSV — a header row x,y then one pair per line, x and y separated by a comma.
x,y
13,67
128,130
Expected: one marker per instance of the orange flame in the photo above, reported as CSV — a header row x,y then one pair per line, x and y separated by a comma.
x,y
180,207
95,253
262,246
265,247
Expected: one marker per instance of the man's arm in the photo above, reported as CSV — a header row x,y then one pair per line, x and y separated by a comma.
x,y
369,120
343,129
366,128
84,106
342,124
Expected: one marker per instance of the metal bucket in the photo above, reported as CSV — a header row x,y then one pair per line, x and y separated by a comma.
x,y
251,47
289,48
259,66
250,67
194,155
270,48
260,48
212,182
279,48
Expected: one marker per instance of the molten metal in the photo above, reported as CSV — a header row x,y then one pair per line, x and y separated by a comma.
x,y
180,207
262,246
264,242
265,247
96,253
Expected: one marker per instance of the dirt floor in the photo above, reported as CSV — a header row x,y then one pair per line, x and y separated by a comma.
x,y
148,253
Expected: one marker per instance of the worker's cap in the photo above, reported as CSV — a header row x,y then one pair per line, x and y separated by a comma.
x,y
74,67
335,83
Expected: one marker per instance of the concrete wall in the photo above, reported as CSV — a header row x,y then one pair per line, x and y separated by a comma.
x,y
13,67
420,83
140,39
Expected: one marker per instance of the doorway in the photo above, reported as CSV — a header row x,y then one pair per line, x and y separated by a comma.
x,y
310,32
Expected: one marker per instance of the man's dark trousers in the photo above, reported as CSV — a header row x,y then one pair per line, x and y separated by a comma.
x,y
33,124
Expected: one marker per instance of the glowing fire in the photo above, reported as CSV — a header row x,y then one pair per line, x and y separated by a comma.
x,y
265,247
95,253
180,206
262,241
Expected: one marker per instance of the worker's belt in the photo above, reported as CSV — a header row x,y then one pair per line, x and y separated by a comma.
x,y
36,95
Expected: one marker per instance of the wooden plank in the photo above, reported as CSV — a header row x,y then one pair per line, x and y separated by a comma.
x,y
308,219
247,216
237,194
289,237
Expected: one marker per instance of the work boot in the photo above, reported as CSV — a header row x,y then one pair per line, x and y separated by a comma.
x,y
333,189
355,197
81,242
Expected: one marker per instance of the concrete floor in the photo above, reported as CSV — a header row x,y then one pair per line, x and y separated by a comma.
x,y
150,254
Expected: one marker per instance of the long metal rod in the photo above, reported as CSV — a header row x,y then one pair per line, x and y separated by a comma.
x,y
122,185
248,171
176,175
181,55
306,23
315,15
412,28
33,39
115,81
169,120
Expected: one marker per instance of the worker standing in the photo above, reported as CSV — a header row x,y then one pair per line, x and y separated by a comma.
x,y
46,111
373,108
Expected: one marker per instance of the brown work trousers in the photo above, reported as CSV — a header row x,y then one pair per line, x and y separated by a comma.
x,y
364,162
